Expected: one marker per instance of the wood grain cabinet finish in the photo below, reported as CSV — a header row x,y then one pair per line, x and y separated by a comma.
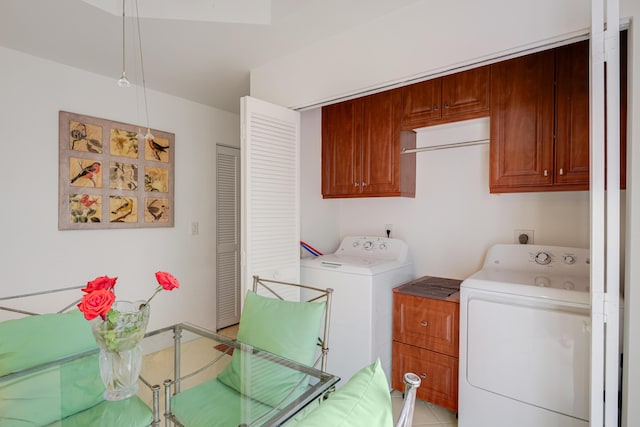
x,y
425,341
361,145
522,122
540,120
458,96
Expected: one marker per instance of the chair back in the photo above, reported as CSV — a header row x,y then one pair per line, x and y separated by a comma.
x,y
276,289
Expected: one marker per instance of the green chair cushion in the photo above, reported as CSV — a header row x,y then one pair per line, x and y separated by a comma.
x,y
34,340
364,401
45,396
286,328
213,404
131,412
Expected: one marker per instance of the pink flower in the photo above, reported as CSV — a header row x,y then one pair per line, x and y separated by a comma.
x,y
167,280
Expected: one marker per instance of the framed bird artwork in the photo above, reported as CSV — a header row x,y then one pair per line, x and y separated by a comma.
x,y
113,175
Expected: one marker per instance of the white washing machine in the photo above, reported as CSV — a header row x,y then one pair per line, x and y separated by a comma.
x,y
362,272
525,339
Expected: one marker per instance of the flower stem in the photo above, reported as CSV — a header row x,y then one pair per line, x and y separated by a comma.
x,y
158,289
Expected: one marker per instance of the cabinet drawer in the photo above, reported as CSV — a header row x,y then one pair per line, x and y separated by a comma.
x,y
439,374
427,323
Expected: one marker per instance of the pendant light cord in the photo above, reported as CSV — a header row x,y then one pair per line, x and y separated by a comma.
x,y
144,84
123,55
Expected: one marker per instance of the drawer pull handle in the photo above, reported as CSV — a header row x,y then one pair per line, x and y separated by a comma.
x,y
424,323
423,375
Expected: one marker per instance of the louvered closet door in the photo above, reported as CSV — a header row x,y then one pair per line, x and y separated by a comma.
x,y
227,236
270,188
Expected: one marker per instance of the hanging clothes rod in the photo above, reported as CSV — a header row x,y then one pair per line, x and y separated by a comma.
x,y
445,146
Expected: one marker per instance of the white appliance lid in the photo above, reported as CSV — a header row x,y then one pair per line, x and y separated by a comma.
x,y
363,255
550,272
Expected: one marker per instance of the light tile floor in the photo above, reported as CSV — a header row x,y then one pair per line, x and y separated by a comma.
x,y
425,413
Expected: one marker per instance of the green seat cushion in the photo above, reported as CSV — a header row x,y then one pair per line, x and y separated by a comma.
x,y
364,401
54,393
213,404
34,340
57,392
286,328
131,412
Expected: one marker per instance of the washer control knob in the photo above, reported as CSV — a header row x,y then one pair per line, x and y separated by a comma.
x,y
382,246
368,244
569,259
356,244
542,258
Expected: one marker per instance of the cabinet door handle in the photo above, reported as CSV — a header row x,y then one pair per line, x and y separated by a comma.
x,y
435,108
423,375
355,184
546,172
561,171
446,105
424,323
364,184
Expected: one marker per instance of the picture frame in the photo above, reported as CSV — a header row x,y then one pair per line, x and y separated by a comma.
x,y
111,176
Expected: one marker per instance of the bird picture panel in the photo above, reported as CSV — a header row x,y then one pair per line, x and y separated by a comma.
x,y
111,175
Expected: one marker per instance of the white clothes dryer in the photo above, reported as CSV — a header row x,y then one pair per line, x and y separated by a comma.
x,y
525,339
362,272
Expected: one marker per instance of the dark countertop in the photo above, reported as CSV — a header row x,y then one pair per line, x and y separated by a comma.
x,y
432,287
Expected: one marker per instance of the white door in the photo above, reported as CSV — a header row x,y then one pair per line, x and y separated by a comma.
x,y
227,236
605,211
270,193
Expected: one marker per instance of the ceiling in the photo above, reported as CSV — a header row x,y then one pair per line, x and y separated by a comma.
x,y
207,62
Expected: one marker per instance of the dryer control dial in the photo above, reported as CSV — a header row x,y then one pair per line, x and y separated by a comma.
x,y
542,258
569,259
368,245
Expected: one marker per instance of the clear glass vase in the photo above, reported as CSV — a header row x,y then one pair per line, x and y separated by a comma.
x,y
120,352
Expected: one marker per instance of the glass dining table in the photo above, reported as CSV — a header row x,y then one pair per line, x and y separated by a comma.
x,y
183,363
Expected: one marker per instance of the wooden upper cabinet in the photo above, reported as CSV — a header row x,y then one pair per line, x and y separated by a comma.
x,y
572,114
341,147
421,103
467,94
540,141
522,122
458,96
361,145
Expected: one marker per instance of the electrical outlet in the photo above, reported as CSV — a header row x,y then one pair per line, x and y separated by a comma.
x,y
523,237
387,229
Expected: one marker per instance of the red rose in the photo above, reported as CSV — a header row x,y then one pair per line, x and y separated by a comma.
x,y
96,303
167,281
102,282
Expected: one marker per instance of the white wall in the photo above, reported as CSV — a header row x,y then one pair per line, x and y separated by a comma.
x,y
423,38
36,256
453,218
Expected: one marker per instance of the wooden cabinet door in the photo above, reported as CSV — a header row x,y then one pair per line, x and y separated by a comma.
x,y
341,148
421,103
381,143
426,323
572,114
466,94
522,122
439,373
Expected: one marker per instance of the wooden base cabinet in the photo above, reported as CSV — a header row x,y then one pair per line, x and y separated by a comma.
x,y
438,372
426,338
